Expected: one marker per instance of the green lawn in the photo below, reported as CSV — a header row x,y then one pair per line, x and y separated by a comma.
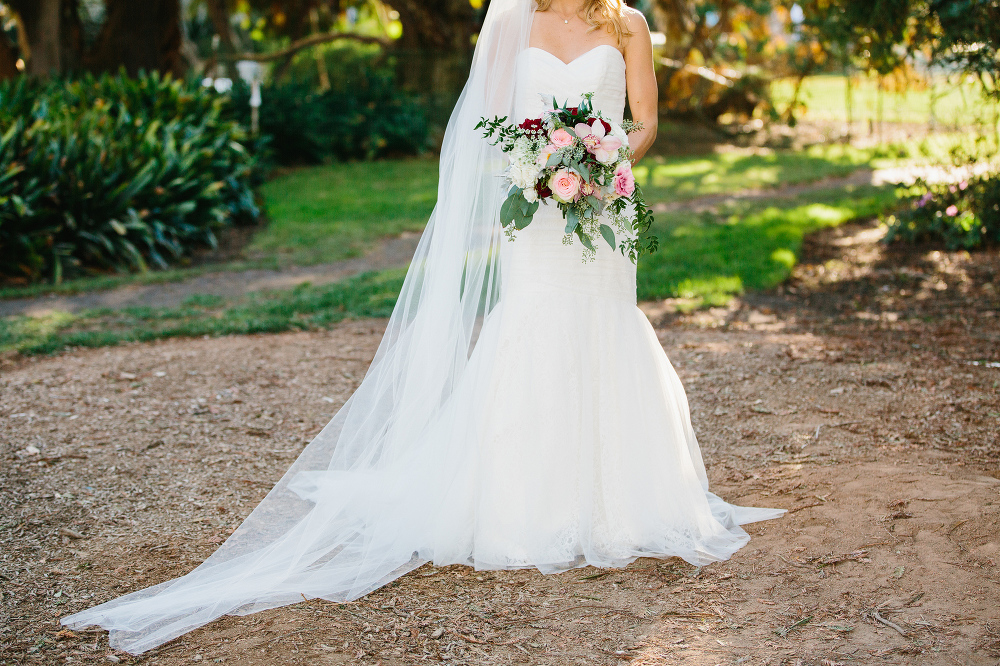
x,y
703,259
328,213
707,259
680,178
954,103
332,212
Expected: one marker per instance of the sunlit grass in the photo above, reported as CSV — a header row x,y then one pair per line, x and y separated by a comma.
x,y
679,178
328,213
708,258
955,102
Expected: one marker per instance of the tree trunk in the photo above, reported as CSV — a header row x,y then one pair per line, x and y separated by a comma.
x,y
41,24
8,59
139,36
439,25
70,36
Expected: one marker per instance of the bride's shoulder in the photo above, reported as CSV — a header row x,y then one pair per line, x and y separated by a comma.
x,y
635,21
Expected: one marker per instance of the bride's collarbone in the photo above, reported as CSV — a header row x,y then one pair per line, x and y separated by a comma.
x,y
566,42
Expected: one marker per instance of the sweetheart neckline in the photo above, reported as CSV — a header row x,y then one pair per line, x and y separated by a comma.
x,y
585,53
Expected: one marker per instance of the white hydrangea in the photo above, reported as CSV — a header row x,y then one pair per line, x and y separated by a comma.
x,y
522,151
523,170
523,175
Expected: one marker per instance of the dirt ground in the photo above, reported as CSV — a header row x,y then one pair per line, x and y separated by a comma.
x,y
864,397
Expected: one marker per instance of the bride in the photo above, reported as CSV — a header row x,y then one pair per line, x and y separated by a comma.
x,y
519,412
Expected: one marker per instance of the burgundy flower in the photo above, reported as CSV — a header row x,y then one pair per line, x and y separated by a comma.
x,y
531,125
543,189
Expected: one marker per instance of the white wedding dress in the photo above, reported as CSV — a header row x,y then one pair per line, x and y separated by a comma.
x,y
567,443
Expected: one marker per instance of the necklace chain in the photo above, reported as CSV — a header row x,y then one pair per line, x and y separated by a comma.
x,y
564,19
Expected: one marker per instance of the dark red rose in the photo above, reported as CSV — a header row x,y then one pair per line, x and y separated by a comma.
x,y
607,125
543,190
531,124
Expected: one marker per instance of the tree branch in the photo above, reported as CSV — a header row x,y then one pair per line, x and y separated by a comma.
x,y
304,43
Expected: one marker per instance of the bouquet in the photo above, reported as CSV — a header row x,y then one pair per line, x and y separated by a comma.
x,y
577,159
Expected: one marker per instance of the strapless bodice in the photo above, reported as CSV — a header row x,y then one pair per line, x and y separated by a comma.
x,y
601,70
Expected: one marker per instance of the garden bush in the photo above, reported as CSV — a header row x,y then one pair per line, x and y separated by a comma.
x,y
116,173
960,216
362,116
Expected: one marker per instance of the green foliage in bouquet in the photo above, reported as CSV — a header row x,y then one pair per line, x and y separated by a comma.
x,y
116,173
965,215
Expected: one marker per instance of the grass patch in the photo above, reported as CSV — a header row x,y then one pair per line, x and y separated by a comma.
x,y
825,96
305,307
680,178
708,258
334,212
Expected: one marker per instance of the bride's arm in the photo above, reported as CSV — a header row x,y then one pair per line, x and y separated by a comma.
x,y
640,82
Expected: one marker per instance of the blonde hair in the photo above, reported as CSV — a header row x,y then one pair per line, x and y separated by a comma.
x,y
608,14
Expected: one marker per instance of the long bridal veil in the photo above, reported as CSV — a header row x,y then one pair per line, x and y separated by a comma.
x,y
325,529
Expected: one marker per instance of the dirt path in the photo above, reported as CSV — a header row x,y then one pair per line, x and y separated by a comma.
x,y
860,397
390,253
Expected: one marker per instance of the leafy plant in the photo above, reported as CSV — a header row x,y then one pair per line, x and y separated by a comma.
x,y
116,173
963,215
363,115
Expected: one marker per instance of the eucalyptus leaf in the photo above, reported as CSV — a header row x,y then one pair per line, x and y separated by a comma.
x,y
525,219
572,220
609,235
507,210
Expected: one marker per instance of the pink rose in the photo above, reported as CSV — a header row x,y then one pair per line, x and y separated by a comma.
x,y
964,184
951,211
561,138
545,154
565,185
624,180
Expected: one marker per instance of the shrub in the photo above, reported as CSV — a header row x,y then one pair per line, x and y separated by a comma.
x,y
362,116
116,173
964,215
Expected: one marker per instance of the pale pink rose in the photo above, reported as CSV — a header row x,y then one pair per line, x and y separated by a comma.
x,y
964,184
624,180
565,185
545,154
951,211
604,147
561,138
